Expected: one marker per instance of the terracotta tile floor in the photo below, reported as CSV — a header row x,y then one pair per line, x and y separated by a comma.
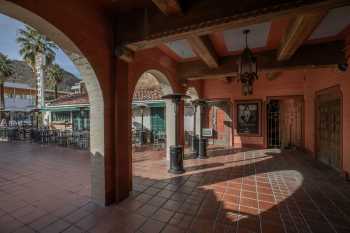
x,y
46,189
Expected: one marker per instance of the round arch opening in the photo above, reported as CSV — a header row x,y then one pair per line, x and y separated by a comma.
x,y
97,141
153,117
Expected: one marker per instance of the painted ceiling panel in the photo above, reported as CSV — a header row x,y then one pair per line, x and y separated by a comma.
x,y
182,48
257,38
334,22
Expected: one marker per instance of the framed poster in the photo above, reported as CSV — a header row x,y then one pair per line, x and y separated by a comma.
x,y
248,117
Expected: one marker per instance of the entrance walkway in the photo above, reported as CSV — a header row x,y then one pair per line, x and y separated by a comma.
x,y
46,189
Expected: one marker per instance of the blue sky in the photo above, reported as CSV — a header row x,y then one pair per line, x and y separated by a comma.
x,y
9,47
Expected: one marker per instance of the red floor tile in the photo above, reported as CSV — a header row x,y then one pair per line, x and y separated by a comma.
x,y
46,189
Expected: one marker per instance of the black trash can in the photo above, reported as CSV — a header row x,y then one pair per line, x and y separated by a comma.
x,y
202,150
195,145
176,160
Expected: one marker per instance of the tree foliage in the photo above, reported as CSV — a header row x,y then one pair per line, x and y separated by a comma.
x,y
32,43
55,76
6,68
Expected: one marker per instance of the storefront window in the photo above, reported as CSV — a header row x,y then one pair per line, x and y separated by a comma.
x,y
60,116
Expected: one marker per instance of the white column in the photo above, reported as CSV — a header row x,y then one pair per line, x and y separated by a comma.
x,y
198,120
169,125
47,118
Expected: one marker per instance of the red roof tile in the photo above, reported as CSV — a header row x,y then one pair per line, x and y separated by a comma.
x,y
76,99
147,94
73,99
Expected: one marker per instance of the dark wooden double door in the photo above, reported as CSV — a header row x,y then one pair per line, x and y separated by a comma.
x,y
328,130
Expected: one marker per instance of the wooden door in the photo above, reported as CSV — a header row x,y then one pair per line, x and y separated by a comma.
x,y
292,122
329,130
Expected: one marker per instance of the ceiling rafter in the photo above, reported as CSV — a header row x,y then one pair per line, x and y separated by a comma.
x,y
169,7
183,27
204,49
308,56
298,31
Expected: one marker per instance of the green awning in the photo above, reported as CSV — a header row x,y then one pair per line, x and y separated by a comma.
x,y
65,109
151,104
156,105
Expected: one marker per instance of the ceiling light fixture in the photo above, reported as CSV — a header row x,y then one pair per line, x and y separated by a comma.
x,y
247,68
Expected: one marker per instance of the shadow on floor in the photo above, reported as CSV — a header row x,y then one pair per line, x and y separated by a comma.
x,y
252,191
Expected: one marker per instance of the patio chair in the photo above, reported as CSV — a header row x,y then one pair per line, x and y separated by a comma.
x,y
159,141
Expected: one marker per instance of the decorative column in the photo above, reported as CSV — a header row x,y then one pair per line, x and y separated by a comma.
x,y
203,142
194,136
169,125
176,150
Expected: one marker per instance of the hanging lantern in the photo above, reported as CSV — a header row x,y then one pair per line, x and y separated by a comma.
x,y
247,68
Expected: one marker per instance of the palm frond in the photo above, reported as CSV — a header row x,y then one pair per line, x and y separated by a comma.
x,y
32,43
6,68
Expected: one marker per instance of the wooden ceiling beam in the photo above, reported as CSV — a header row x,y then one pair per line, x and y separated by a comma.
x,y
169,7
299,30
205,20
204,49
307,57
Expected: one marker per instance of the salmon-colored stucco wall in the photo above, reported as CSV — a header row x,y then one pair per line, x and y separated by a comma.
x,y
263,88
289,83
318,80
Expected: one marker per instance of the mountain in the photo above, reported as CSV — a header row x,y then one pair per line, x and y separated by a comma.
x,y
23,74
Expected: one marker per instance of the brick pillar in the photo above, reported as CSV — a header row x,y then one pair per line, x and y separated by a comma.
x,y
123,148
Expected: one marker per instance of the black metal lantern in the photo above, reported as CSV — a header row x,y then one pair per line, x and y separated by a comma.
x,y
247,68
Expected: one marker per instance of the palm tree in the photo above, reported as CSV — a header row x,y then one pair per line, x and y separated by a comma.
x,y
33,44
6,70
55,76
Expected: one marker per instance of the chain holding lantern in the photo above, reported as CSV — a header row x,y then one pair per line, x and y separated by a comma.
x,y
247,68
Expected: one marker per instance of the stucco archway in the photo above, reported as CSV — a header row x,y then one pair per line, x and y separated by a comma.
x,y
166,88
87,72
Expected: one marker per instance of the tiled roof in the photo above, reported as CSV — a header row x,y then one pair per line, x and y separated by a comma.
x,y
147,94
73,99
77,99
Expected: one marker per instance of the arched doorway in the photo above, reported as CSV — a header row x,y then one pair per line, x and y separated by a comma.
x,y
97,129
152,117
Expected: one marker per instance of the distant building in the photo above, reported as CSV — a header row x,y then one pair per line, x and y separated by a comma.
x,y
70,111
79,88
154,115
20,100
